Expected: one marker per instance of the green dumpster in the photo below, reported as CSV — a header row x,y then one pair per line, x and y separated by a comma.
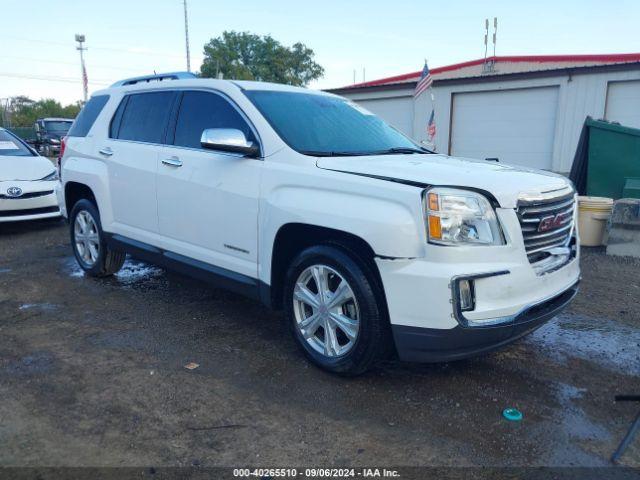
x,y
614,159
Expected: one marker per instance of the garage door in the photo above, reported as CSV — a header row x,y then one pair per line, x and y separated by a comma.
x,y
396,111
515,126
623,103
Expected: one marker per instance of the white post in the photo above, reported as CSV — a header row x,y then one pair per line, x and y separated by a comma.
x,y
83,70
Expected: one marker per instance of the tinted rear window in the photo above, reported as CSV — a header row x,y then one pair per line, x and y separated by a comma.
x,y
202,110
87,116
145,117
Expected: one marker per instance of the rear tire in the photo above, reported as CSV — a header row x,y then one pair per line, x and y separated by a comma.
x,y
88,242
342,325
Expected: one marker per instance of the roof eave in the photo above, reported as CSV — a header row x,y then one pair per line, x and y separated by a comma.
x,y
490,77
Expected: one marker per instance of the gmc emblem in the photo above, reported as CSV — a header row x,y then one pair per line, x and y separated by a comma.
x,y
553,221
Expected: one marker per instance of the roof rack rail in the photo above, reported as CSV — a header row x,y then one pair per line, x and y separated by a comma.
x,y
154,78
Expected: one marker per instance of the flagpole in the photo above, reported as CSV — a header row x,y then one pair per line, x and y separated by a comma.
x,y
426,83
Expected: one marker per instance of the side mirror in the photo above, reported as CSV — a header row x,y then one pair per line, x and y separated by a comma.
x,y
228,140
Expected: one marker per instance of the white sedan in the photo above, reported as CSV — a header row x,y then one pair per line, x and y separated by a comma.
x,y
27,182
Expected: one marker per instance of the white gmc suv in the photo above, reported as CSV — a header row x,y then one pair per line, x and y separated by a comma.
x,y
370,243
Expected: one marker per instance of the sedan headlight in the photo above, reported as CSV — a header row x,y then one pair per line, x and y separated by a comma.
x,y
52,176
54,141
460,217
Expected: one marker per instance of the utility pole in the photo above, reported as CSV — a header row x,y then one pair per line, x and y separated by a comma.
x,y
186,35
80,38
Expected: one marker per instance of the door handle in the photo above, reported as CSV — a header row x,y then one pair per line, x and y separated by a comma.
x,y
106,151
173,161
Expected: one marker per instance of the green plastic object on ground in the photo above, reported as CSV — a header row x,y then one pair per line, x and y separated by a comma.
x,y
512,414
614,158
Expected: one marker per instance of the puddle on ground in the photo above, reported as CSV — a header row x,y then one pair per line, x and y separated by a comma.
x,y
132,273
574,433
122,340
575,422
73,269
38,306
32,364
611,344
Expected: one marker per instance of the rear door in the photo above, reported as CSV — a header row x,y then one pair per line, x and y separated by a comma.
x,y
131,152
208,200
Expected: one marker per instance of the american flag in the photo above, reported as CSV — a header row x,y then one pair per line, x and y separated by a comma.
x,y
425,81
431,127
85,80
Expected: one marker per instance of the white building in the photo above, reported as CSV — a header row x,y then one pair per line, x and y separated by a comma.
x,y
523,110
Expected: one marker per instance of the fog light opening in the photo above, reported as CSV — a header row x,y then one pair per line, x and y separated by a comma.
x,y
467,295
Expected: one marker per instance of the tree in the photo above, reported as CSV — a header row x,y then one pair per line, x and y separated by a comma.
x,y
23,111
245,56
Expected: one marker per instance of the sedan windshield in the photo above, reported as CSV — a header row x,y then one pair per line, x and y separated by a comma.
x,y
11,146
324,125
55,126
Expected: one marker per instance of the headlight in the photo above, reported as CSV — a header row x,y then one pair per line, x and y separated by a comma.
x,y
52,176
460,217
55,141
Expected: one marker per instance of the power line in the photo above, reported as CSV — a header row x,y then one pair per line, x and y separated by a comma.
x,y
53,78
109,49
58,62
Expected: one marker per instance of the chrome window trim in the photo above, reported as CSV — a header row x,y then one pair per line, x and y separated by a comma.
x,y
192,89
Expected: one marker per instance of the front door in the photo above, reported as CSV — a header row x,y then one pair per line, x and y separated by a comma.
x,y
208,200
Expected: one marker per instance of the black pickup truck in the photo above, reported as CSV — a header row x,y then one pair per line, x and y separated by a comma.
x,y
49,133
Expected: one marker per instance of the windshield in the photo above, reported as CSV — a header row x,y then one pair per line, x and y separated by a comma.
x,y
324,125
11,146
57,126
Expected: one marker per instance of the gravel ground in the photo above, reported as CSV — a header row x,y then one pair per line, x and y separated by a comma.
x,y
92,374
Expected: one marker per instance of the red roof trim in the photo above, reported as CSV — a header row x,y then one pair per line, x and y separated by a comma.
x,y
605,58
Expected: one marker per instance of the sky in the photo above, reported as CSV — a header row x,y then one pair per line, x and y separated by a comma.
x,y
124,38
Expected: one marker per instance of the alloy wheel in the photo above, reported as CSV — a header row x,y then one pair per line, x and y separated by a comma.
x,y
326,311
87,238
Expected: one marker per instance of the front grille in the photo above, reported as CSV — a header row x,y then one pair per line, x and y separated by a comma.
x,y
30,211
546,224
26,195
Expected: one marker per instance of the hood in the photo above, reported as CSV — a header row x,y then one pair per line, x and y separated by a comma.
x,y
24,168
504,182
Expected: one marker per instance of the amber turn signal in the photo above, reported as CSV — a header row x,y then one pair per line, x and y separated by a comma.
x,y
433,202
435,228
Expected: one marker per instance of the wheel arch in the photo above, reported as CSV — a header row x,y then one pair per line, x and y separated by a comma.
x,y
293,238
75,191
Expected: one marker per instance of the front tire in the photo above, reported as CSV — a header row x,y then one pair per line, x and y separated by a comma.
x,y
88,243
336,311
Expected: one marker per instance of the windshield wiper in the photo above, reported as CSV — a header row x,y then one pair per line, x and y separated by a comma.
x,y
320,153
389,151
407,150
